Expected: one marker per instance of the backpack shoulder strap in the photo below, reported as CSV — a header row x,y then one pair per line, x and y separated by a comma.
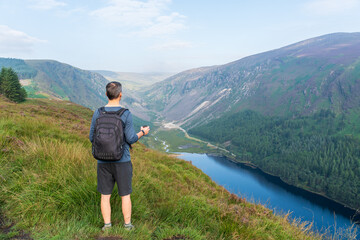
x,y
121,111
101,110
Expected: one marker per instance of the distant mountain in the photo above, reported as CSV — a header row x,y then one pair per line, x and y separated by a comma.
x,y
134,81
296,80
53,79
59,80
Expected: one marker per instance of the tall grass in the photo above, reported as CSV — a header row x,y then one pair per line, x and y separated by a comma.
x,y
48,186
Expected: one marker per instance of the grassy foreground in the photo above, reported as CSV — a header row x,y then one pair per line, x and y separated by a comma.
x,y
48,186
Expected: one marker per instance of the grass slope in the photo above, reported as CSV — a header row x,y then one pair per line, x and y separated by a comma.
x,y
48,186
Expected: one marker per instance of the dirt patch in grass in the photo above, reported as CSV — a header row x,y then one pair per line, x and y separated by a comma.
x,y
177,237
109,238
7,231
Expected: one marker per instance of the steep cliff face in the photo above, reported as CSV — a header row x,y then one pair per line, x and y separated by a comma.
x,y
299,79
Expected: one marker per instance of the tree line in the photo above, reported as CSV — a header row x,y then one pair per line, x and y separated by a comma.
x,y
310,152
10,85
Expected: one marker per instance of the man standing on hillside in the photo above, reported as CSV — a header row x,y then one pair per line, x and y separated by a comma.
x,y
119,171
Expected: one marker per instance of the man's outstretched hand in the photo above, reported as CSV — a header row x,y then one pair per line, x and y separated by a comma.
x,y
146,129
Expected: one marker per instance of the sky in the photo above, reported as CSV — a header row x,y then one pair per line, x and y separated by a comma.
x,y
163,35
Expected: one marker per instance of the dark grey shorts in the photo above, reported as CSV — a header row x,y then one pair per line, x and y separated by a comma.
x,y
109,173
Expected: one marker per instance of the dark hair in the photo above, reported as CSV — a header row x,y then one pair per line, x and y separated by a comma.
x,y
113,90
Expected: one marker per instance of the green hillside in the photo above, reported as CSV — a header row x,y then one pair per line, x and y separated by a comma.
x,y
295,80
48,186
49,78
69,83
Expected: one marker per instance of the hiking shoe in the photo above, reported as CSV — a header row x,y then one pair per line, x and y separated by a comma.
x,y
106,226
129,226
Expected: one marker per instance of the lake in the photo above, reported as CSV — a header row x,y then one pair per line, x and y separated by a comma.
x,y
260,187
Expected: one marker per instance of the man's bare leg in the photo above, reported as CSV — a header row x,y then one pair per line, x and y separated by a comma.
x,y
106,208
126,208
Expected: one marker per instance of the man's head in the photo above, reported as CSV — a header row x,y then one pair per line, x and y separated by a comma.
x,y
113,90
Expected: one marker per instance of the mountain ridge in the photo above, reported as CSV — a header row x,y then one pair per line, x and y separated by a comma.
x,y
46,78
51,78
298,79
133,80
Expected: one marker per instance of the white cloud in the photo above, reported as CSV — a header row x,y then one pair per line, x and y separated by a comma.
x,y
146,18
172,45
14,42
165,25
46,4
329,7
